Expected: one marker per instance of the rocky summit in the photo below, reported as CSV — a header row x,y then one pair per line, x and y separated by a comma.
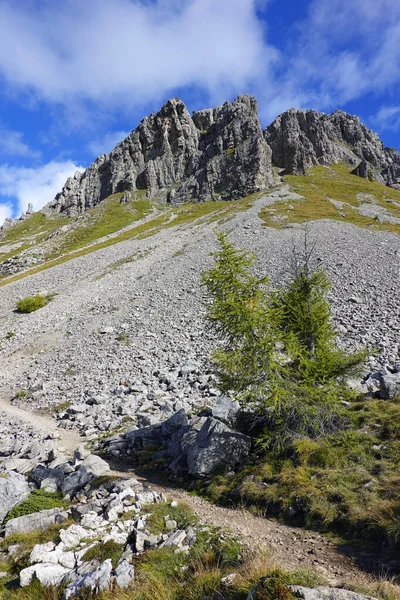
x,y
111,405
218,153
222,153
301,139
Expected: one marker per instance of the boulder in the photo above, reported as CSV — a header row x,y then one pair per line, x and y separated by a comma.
x,y
48,553
174,423
124,574
20,465
97,581
42,473
39,520
215,446
72,536
226,410
91,467
389,385
48,574
14,489
325,593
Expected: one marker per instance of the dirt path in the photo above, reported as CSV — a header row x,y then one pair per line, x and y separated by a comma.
x,y
69,439
290,547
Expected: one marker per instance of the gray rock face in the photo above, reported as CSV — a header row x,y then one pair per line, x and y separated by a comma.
x,y
326,593
301,139
39,520
14,489
217,153
217,445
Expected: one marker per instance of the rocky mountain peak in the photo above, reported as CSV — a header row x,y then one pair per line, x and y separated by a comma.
x,y
222,153
301,139
217,153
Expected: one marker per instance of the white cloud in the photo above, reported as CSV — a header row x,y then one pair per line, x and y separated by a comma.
x,y
5,211
107,142
129,52
341,51
38,186
388,117
11,143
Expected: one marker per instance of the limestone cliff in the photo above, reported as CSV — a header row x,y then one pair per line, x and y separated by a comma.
x,y
301,139
217,153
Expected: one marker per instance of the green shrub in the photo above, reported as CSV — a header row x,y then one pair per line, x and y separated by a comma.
x,y
123,338
32,303
36,501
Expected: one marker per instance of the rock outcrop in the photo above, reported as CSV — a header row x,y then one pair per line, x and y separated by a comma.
x,y
14,489
198,446
301,139
217,153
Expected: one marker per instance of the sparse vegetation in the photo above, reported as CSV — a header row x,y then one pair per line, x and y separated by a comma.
x,y
102,552
321,188
182,514
319,461
9,335
169,217
123,338
31,303
36,501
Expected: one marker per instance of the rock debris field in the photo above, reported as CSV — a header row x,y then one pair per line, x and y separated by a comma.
x,y
124,344
124,341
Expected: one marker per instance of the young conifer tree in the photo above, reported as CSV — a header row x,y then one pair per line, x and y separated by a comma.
x,y
299,387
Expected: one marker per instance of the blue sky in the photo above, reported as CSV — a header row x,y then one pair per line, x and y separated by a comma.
x,y
76,77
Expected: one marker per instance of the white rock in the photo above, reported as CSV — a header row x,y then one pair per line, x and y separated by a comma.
x,y
124,574
40,551
74,534
47,573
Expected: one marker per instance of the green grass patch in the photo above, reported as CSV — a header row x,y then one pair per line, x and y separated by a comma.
x,y
30,232
28,540
346,482
337,183
102,552
36,501
123,338
105,219
182,514
31,303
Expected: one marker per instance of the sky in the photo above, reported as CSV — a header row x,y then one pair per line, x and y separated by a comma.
x,y
76,77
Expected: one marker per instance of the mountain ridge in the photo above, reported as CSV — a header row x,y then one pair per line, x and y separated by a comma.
x,y
219,154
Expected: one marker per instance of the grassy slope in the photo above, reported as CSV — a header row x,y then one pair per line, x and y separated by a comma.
x,y
322,183
110,217
348,482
